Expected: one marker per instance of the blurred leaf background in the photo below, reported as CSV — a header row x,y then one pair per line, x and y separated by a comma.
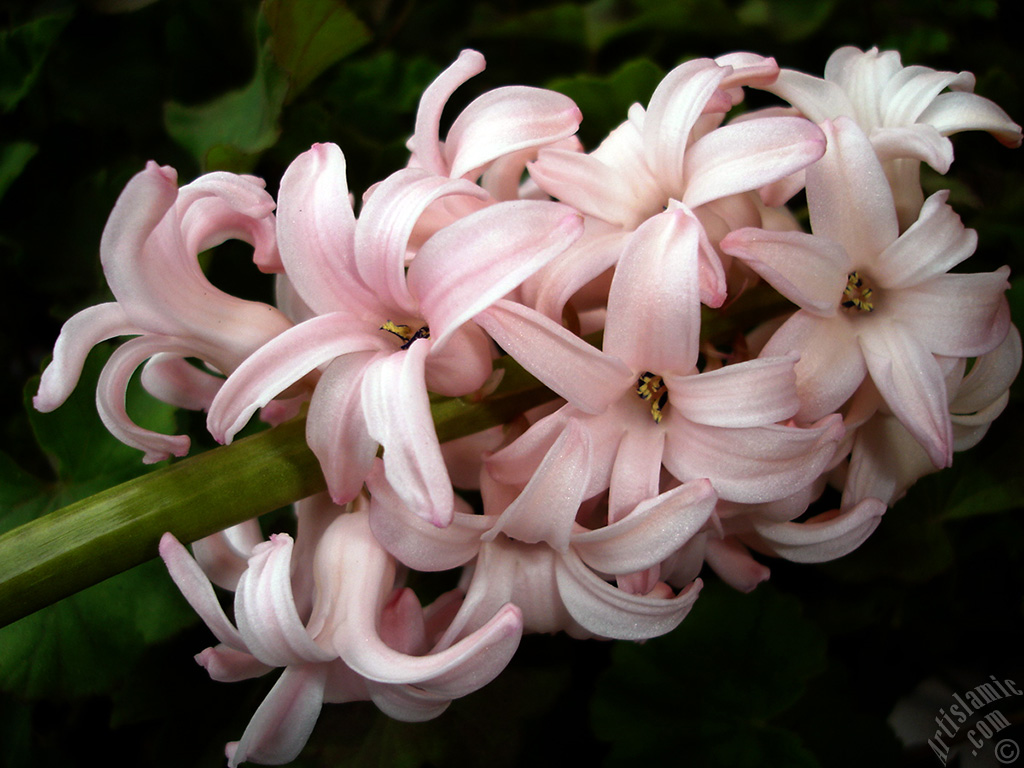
x,y
806,671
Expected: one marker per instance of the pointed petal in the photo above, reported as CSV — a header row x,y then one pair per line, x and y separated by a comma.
x,y
282,724
747,394
933,245
469,265
282,362
914,142
651,532
565,363
734,565
226,665
635,475
224,556
416,542
848,194
397,411
831,365
809,270
961,111
748,155
198,591
111,390
909,379
506,120
175,381
653,319
78,336
336,429
386,223
265,610
822,538
609,612
675,105
547,507
755,464
316,230
959,315
817,99
425,143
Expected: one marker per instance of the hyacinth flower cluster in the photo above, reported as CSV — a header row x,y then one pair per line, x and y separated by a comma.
x,y
681,435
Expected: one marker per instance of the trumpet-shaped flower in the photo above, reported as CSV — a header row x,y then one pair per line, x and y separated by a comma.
x,y
384,334
149,253
363,639
906,112
875,302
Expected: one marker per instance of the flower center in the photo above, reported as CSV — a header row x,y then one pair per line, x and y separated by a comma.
x,y
857,295
406,333
651,387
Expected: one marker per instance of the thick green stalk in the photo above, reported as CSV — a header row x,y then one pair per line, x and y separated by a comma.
x,y
83,543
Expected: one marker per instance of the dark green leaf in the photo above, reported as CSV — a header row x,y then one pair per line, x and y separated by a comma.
x,y
87,642
308,36
709,689
13,159
23,50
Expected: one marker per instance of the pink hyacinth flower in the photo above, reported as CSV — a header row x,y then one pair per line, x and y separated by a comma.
x,y
384,335
906,112
149,253
875,302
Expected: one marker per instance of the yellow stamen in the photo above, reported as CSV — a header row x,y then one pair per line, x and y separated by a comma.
x,y
857,295
405,332
650,386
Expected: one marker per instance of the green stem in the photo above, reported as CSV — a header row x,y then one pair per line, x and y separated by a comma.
x,y
83,543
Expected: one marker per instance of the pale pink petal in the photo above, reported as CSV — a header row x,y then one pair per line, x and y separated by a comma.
x,y
848,194
472,263
265,610
361,593
572,368
283,722
734,565
336,429
909,379
751,465
747,155
463,365
912,89
990,376
407,703
914,142
960,111
636,472
884,462
416,542
677,102
78,336
282,362
226,665
590,185
959,315
831,365
547,506
585,261
506,120
175,381
425,143
746,394
224,556
110,398
822,538
651,532
933,245
316,230
198,591
817,99
397,412
609,612
809,270
386,224
656,288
